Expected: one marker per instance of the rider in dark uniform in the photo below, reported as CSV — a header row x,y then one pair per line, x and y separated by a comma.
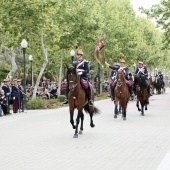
x,y
126,73
142,70
113,79
160,75
83,70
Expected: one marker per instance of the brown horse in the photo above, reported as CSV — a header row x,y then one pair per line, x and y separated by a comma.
x,y
78,100
122,94
141,92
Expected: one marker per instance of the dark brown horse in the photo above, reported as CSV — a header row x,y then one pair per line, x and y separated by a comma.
x,y
121,94
141,92
78,100
159,85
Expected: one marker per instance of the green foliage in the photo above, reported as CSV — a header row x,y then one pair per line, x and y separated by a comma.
x,y
61,98
37,103
66,23
4,70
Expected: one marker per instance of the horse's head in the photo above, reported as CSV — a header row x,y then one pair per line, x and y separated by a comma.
x,y
120,77
139,82
72,78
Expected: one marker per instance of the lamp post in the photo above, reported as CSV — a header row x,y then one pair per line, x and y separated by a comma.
x,y
72,53
24,46
31,59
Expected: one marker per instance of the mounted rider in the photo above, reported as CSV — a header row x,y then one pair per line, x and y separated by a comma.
x,y
142,70
126,73
83,70
160,75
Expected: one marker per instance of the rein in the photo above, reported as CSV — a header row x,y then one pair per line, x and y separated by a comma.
x,y
72,89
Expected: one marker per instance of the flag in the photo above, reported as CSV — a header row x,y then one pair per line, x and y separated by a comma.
x,y
99,47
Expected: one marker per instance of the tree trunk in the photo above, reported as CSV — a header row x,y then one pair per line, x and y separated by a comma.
x,y
43,67
14,67
60,73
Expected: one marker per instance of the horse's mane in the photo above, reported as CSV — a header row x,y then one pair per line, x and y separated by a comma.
x,y
71,70
140,80
120,72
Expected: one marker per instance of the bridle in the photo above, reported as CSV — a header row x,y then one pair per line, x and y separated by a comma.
x,y
119,81
138,88
71,82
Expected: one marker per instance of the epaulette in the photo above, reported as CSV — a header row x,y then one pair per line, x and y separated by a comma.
x,y
86,61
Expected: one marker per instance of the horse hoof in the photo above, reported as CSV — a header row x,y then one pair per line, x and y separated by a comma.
x,y
146,109
92,125
74,127
115,116
142,114
80,132
124,118
75,136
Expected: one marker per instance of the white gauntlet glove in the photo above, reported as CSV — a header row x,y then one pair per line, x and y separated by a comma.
x,y
80,73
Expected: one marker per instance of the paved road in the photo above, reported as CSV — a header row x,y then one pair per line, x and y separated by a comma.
x,y
43,139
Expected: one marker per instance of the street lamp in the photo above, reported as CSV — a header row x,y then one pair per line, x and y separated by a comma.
x,y
31,59
24,46
72,53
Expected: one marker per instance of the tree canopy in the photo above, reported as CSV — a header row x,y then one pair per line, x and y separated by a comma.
x,y
67,23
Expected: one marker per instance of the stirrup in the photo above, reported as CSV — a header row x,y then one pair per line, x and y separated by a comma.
x,y
66,101
91,102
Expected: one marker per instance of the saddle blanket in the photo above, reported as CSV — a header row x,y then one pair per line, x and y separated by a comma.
x,y
84,83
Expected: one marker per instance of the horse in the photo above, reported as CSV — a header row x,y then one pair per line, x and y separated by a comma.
x,y
122,94
141,92
151,82
159,85
77,99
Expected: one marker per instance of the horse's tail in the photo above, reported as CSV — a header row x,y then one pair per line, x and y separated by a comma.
x,y
87,109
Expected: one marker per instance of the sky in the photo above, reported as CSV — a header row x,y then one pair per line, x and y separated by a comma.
x,y
145,3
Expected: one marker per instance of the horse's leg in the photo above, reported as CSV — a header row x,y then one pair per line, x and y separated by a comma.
x,y
77,123
137,105
116,109
119,110
81,126
124,114
142,110
146,108
71,118
91,120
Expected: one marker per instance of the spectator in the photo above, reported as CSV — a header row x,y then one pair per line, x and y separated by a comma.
x,y
3,102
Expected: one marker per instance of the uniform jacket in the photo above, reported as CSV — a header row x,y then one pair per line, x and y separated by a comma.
x,y
15,92
125,69
84,66
113,74
140,72
160,75
6,90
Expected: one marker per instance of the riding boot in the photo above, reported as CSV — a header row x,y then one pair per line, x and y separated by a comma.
x,y
88,92
66,100
149,91
131,92
112,94
134,90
